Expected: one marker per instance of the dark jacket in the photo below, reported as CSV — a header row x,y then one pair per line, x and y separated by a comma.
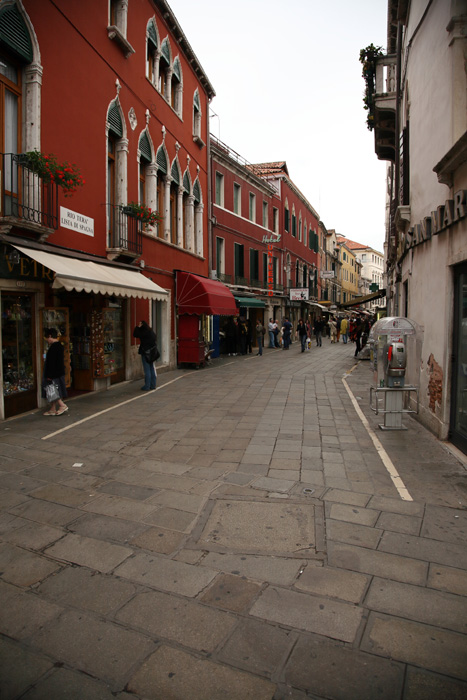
x,y
54,366
146,336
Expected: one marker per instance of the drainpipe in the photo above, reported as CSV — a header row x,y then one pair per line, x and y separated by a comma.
x,y
397,163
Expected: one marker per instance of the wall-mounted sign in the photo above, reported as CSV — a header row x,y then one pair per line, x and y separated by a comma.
x,y
327,274
445,216
302,294
270,270
76,222
275,238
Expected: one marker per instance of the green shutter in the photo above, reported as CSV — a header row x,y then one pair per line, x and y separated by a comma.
x,y
186,183
175,173
197,192
177,70
165,51
14,34
161,160
115,120
145,147
196,101
286,220
152,34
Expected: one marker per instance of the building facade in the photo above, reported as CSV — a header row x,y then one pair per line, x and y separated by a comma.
x,y
130,118
418,107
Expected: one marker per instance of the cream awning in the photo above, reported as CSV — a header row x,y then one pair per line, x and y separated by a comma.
x,y
88,276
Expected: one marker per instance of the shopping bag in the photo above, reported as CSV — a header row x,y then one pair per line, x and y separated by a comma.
x,y
152,354
51,392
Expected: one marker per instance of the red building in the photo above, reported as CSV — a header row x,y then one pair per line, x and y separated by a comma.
x,y
265,237
114,88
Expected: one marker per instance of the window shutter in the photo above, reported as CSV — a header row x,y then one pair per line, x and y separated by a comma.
x,y
161,160
186,183
196,101
115,120
152,34
197,192
145,147
175,174
14,33
177,70
165,51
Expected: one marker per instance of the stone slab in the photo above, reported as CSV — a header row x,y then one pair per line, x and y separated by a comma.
x,y
133,491
63,683
396,505
278,570
44,512
20,668
34,535
22,614
231,592
81,588
340,531
172,519
350,497
177,499
257,647
183,621
329,618
328,670
118,507
445,578
64,495
446,553
23,568
395,522
445,524
165,574
171,673
334,583
414,643
419,604
353,514
158,539
260,527
367,561
85,551
102,649
106,527
421,685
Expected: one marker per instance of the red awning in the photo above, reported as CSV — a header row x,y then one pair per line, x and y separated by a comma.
x,y
199,295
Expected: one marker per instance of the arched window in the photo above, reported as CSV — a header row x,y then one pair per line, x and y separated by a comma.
x,y
300,226
305,229
165,71
176,205
188,213
294,222
286,216
177,88
197,118
163,192
288,271
153,53
117,152
199,207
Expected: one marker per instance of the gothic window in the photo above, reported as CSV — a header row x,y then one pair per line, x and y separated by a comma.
x,y
177,88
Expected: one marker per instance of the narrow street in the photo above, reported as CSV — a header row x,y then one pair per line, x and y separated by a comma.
x,y
238,533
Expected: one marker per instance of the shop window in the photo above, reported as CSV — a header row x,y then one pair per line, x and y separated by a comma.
x,y
17,350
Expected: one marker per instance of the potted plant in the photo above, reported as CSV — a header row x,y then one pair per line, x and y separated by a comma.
x,y
66,175
145,214
368,59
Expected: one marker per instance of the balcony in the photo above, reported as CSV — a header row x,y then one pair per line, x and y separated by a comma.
x,y
240,281
384,108
125,234
26,200
222,277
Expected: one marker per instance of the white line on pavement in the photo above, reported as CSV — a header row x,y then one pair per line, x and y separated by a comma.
x,y
386,460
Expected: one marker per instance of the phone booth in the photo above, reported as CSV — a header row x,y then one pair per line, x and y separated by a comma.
x,y
395,354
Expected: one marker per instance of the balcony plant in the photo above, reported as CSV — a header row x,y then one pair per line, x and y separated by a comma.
x,y
145,214
368,59
66,175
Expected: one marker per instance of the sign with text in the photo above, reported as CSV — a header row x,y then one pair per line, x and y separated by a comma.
x,y
299,294
76,222
327,274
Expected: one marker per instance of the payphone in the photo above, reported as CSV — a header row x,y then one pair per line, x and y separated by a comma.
x,y
395,362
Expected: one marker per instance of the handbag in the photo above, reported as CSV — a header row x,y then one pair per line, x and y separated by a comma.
x,y
151,354
51,392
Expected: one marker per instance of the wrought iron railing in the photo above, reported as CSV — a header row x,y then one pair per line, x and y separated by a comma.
x,y
242,281
222,277
125,231
24,195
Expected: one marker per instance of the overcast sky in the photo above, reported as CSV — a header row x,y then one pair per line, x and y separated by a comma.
x,y
288,87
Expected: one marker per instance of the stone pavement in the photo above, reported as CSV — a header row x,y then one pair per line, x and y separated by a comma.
x,y
233,535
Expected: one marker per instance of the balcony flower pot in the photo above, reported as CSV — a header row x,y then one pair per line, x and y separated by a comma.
x,y
66,175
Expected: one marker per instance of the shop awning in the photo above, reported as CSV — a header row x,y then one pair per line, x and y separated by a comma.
x,y
199,295
363,300
250,302
318,306
88,276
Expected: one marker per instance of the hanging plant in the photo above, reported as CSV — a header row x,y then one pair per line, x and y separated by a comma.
x,y
46,166
145,214
368,59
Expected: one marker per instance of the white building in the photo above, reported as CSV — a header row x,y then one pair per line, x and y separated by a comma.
x,y
418,108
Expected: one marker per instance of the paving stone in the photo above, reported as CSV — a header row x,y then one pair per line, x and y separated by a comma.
x,y
158,540
102,649
85,551
348,497
329,618
183,621
23,568
399,523
105,527
22,614
396,505
429,647
419,604
252,527
133,491
421,685
63,683
64,495
398,568
446,553
231,592
445,578
118,507
33,535
44,512
335,583
165,574
172,519
340,531
20,482
280,571
326,669
353,514
81,588
181,501
20,668
171,673
445,524
257,647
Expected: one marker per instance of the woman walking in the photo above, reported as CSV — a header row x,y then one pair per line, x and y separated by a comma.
x,y
148,341
54,371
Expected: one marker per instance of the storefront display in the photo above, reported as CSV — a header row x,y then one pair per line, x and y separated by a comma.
x,y
19,384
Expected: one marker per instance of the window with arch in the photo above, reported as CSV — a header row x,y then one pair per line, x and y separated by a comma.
x,y
176,205
288,270
177,88
297,273
117,27
117,148
162,171
305,229
197,119
300,227
188,212
286,217
198,216
164,79
152,53
294,222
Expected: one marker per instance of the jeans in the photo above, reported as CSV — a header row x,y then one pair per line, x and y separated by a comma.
x,y
149,374
260,344
286,341
303,342
344,337
319,338
271,339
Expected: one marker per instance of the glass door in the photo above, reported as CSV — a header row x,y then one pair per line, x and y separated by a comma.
x,y
459,369
18,352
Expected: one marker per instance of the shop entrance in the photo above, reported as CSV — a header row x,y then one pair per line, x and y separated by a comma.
x,y
18,353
